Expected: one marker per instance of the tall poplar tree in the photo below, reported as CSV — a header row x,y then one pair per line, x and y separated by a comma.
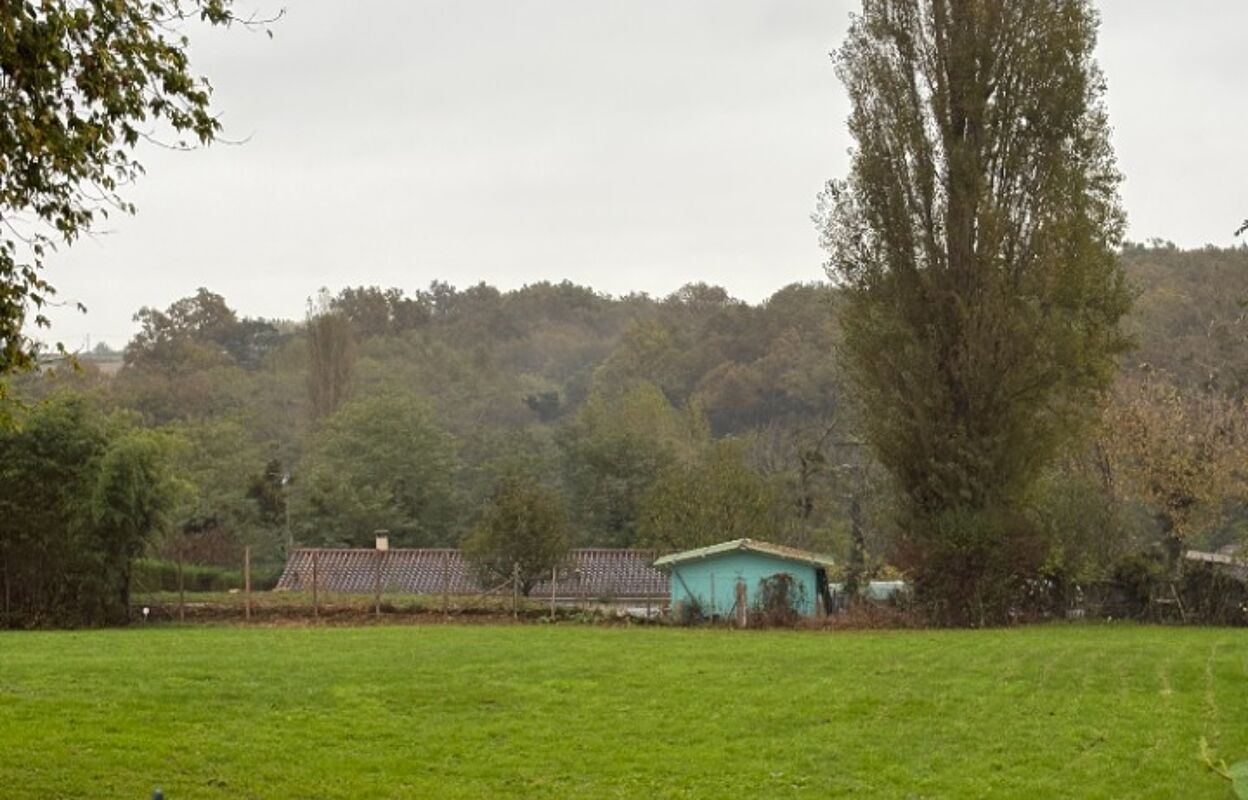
x,y
975,238
331,356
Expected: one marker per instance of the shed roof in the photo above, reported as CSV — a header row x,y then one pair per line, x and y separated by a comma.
x,y
1220,557
751,545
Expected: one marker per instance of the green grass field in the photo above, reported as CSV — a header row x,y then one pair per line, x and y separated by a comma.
x,y
567,711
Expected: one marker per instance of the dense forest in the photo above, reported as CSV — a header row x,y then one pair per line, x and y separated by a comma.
x,y
657,422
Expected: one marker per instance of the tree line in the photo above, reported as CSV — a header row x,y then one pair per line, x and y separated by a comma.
x,y
633,422
994,393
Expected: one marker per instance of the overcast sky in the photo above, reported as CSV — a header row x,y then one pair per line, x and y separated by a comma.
x,y
624,145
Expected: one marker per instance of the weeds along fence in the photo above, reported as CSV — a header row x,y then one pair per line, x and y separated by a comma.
x,y
341,583
163,585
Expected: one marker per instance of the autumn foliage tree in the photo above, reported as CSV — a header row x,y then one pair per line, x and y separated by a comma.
x,y
1181,455
975,238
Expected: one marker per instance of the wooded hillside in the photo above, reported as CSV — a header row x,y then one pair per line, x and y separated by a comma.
x,y
656,421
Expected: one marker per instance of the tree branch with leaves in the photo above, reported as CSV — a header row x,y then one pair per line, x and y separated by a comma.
x,y
82,84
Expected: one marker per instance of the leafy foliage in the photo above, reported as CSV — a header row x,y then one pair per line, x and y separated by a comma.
x,y
218,513
1180,454
779,598
196,332
153,575
80,498
974,239
617,448
1237,773
379,463
523,529
331,352
84,83
1239,779
550,382
712,498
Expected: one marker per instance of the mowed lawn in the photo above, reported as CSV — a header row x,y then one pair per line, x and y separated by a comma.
x,y
567,711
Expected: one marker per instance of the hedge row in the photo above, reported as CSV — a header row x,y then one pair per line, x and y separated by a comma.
x,y
156,575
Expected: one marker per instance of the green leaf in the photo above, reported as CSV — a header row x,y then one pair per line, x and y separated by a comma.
x,y
1239,779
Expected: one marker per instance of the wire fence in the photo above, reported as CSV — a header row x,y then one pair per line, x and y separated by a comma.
x,y
341,583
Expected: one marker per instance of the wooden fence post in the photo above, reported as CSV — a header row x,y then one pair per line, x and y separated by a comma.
x,y
446,581
515,590
316,611
247,581
377,555
649,558
181,590
554,580
743,611
5,573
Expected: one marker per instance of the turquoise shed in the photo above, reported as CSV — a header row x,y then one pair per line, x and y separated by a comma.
x,y
727,580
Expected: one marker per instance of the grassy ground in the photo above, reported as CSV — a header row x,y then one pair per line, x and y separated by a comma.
x,y
333,606
566,711
303,600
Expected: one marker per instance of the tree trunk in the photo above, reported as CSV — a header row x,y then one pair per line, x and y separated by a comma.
x,y
4,575
857,551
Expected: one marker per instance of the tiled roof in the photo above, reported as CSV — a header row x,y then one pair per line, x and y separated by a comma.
x,y
590,573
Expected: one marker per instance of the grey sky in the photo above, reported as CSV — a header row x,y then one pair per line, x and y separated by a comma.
x,y
625,145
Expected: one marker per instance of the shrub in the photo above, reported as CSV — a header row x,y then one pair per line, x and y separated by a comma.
x,y
523,529
156,575
81,496
973,567
779,598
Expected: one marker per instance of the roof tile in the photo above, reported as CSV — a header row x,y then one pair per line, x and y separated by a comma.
x,y
590,573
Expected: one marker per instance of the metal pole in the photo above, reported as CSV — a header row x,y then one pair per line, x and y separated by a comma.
x,y
290,539
181,590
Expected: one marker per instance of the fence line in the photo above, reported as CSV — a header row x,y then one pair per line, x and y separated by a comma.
x,y
321,582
